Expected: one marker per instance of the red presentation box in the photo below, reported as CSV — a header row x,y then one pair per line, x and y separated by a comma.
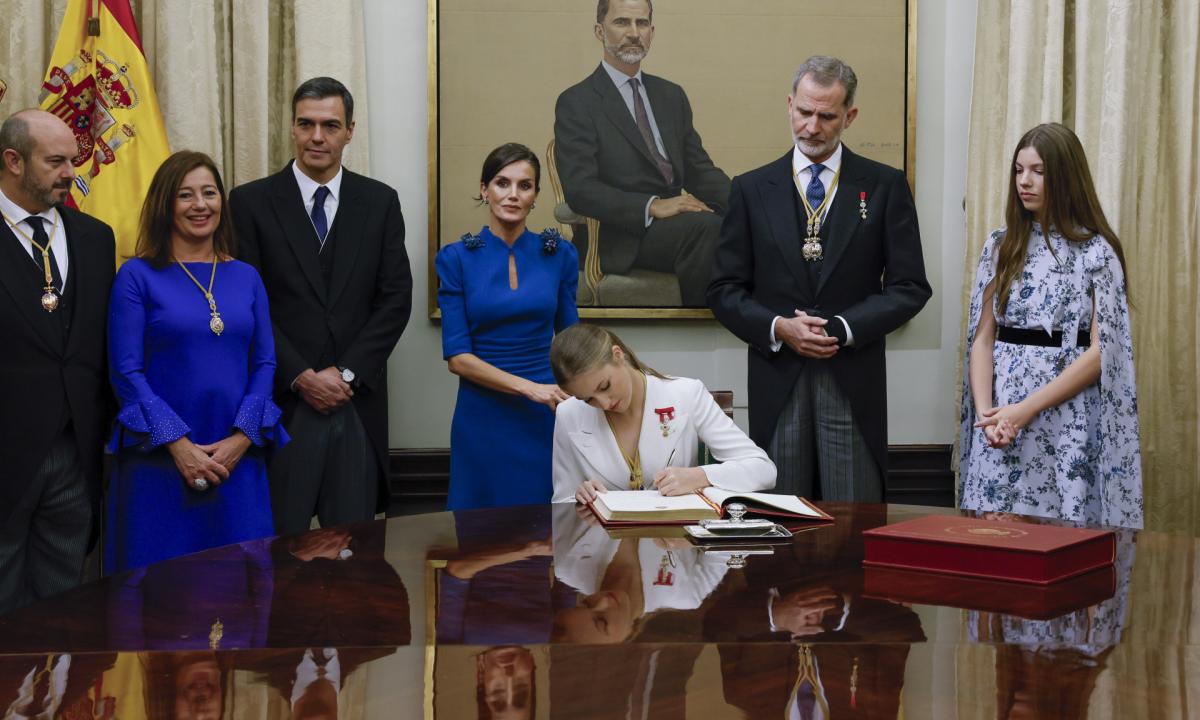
x,y
1034,602
989,549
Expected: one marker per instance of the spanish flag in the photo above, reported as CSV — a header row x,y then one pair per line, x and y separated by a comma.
x,y
99,84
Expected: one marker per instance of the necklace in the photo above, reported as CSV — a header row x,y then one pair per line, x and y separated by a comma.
x,y
815,216
50,293
216,324
634,462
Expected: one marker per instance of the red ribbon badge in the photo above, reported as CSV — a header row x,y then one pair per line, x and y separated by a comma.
x,y
665,414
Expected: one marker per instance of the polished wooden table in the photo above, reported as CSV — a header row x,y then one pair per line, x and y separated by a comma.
x,y
537,612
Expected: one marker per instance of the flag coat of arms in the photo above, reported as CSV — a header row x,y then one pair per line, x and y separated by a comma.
x,y
98,82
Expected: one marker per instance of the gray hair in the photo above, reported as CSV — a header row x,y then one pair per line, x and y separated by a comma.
x,y
825,71
15,135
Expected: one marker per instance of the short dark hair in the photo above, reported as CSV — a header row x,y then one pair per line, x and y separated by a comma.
x,y
825,71
506,155
15,135
602,10
319,88
158,210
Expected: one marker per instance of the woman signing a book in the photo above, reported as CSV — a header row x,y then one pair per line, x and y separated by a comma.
x,y
628,427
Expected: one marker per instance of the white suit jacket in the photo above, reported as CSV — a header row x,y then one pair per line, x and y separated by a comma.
x,y
679,415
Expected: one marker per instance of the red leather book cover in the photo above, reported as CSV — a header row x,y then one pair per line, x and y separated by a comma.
x,y
997,550
1035,602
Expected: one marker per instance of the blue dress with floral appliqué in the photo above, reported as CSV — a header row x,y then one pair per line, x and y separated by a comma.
x,y
175,377
1080,460
501,445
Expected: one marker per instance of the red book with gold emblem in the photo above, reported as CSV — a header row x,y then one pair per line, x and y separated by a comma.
x,y
997,550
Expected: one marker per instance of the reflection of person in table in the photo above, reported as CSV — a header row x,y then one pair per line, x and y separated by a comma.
x,y
624,582
627,151
493,590
1071,648
629,427
505,684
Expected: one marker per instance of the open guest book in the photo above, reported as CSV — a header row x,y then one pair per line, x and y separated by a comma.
x,y
646,507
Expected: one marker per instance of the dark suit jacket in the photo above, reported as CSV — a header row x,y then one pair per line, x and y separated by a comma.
x,y
607,171
362,313
873,275
44,376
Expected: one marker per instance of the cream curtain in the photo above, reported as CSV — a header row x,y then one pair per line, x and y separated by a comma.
x,y
1124,75
224,70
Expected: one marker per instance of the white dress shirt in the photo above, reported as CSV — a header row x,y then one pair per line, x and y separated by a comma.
x,y
802,168
14,217
621,80
308,189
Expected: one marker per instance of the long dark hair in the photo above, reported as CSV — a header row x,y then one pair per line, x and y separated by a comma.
x,y
581,348
158,210
1070,205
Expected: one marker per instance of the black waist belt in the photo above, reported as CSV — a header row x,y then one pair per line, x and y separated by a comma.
x,y
1026,336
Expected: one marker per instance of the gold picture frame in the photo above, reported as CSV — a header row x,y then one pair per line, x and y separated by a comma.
x,y
485,64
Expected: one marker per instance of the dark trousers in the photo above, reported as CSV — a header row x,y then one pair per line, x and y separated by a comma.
x,y
328,469
684,245
818,447
44,542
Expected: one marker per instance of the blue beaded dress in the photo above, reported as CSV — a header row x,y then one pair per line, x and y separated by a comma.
x,y
174,377
500,444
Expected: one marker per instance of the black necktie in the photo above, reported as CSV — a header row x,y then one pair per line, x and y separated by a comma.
x,y
40,237
643,124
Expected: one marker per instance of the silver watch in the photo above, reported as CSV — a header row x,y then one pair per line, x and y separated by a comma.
x,y
348,376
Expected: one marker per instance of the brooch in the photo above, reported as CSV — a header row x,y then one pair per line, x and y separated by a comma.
x,y
550,238
862,205
664,416
472,242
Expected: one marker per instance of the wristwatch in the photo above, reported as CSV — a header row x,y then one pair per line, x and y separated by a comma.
x,y
348,375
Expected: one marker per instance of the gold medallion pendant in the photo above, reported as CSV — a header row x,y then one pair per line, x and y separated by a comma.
x,y
215,323
812,249
49,301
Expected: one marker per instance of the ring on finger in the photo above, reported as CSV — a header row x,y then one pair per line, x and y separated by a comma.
x,y
200,484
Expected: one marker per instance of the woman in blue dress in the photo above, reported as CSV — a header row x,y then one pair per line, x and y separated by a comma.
x,y
192,358
1049,404
504,292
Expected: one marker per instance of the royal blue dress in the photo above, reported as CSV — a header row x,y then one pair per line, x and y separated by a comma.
x,y
174,377
501,444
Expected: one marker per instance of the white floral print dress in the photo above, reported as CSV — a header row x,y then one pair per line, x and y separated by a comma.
x,y
1080,460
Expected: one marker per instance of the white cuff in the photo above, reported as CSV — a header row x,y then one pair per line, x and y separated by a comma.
x,y
648,204
849,335
776,345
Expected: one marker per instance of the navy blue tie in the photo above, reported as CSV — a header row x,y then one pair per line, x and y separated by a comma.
x,y
815,192
318,214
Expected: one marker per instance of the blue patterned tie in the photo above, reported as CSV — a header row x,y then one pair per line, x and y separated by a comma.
x,y
815,192
318,214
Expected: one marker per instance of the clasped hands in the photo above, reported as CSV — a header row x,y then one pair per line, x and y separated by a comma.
x,y
669,481
1002,424
324,391
805,334
212,463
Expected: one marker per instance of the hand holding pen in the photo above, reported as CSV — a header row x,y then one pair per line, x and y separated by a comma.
x,y
679,481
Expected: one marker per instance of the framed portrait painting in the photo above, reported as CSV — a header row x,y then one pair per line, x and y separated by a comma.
x,y
717,76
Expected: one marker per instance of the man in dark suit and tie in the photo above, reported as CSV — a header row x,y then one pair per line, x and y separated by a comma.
x,y
329,244
626,149
56,270
819,259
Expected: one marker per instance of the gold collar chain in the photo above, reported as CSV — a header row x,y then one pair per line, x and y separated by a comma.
x,y
49,292
215,323
815,217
